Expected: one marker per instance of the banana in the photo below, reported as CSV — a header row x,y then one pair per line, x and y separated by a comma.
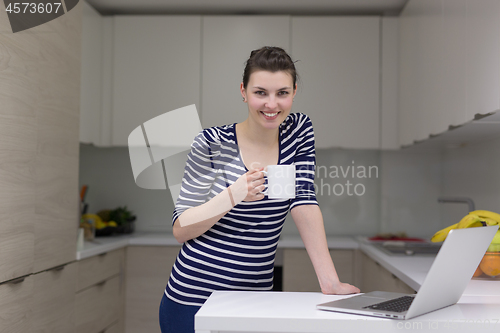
x,y
495,243
489,221
469,221
441,234
487,214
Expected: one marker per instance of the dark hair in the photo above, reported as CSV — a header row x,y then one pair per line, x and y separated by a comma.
x,y
272,59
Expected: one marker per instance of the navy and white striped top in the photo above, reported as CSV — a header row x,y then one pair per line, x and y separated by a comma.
x,y
238,252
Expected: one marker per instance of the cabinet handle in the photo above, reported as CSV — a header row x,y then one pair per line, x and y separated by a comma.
x,y
16,281
58,268
102,283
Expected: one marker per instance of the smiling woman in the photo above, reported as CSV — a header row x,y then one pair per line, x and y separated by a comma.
x,y
229,228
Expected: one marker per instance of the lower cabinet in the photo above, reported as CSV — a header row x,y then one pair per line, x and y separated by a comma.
x,y
147,273
299,274
376,277
100,296
15,305
54,300
42,302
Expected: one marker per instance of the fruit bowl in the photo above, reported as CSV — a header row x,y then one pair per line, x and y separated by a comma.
x,y
489,268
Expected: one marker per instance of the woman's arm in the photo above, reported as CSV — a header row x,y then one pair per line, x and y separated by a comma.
x,y
309,221
195,221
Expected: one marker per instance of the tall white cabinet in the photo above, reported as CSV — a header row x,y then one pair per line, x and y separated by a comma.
x,y
339,64
227,43
156,69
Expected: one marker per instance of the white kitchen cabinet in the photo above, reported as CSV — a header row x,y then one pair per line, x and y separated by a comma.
x,y
227,43
449,65
91,80
156,69
482,56
148,270
339,64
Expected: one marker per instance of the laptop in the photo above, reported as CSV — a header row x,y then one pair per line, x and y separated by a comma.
x,y
443,286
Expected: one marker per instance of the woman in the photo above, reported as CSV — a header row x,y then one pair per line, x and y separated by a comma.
x,y
228,227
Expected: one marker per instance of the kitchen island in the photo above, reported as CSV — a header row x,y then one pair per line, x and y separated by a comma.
x,y
240,311
235,311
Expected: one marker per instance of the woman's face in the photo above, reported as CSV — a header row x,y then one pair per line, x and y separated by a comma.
x,y
269,96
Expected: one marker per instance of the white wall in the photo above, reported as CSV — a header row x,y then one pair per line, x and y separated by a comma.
x,y
402,198
472,171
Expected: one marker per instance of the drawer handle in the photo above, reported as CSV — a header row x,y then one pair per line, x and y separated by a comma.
x,y
16,281
58,268
103,254
102,283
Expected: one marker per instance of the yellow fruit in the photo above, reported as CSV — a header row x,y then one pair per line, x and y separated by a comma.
x,y
489,221
441,234
112,224
486,213
470,221
95,220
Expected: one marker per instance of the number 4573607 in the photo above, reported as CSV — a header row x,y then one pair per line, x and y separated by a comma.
x,y
27,7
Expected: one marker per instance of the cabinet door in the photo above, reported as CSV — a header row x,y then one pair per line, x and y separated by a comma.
x,y
483,51
16,306
156,69
376,277
98,306
454,63
91,81
299,274
54,300
147,272
227,43
56,169
338,62
98,268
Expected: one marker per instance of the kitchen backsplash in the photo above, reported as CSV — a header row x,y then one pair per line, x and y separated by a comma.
x,y
360,192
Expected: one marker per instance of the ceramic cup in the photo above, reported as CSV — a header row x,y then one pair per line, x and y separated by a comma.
x,y
280,181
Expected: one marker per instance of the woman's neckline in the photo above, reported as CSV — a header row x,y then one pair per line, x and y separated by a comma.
x,y
239,150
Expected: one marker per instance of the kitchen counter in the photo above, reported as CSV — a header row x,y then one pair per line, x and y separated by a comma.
x,y
244,311
106,244
412,270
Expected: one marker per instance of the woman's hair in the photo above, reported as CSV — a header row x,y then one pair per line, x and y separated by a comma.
x,y
272,59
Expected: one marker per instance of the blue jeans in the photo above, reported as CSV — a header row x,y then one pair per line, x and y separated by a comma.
x,y
175,317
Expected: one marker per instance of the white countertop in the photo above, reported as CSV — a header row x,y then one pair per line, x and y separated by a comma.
x,y
110,243
244,311
412,270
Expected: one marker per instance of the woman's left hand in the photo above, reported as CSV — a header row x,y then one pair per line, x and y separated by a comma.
x,y
340,288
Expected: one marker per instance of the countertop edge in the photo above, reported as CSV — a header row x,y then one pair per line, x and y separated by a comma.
x,y
106,244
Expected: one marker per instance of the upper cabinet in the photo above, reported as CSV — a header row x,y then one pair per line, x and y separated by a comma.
x,y
156,68
227,43
339,69
449,65
138,67
91,80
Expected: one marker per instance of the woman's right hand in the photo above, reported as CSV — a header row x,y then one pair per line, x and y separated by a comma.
x,y
249,186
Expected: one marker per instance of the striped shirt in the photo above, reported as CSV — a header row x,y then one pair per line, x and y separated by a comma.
x,y
238,251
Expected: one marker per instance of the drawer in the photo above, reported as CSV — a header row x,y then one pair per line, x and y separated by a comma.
x,y
54,300
98,306
99,268
16,306
114,328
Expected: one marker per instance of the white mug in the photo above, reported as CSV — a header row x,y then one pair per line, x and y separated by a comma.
x,y
280,181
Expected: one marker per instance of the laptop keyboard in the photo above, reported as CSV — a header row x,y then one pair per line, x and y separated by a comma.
x,y
395,305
